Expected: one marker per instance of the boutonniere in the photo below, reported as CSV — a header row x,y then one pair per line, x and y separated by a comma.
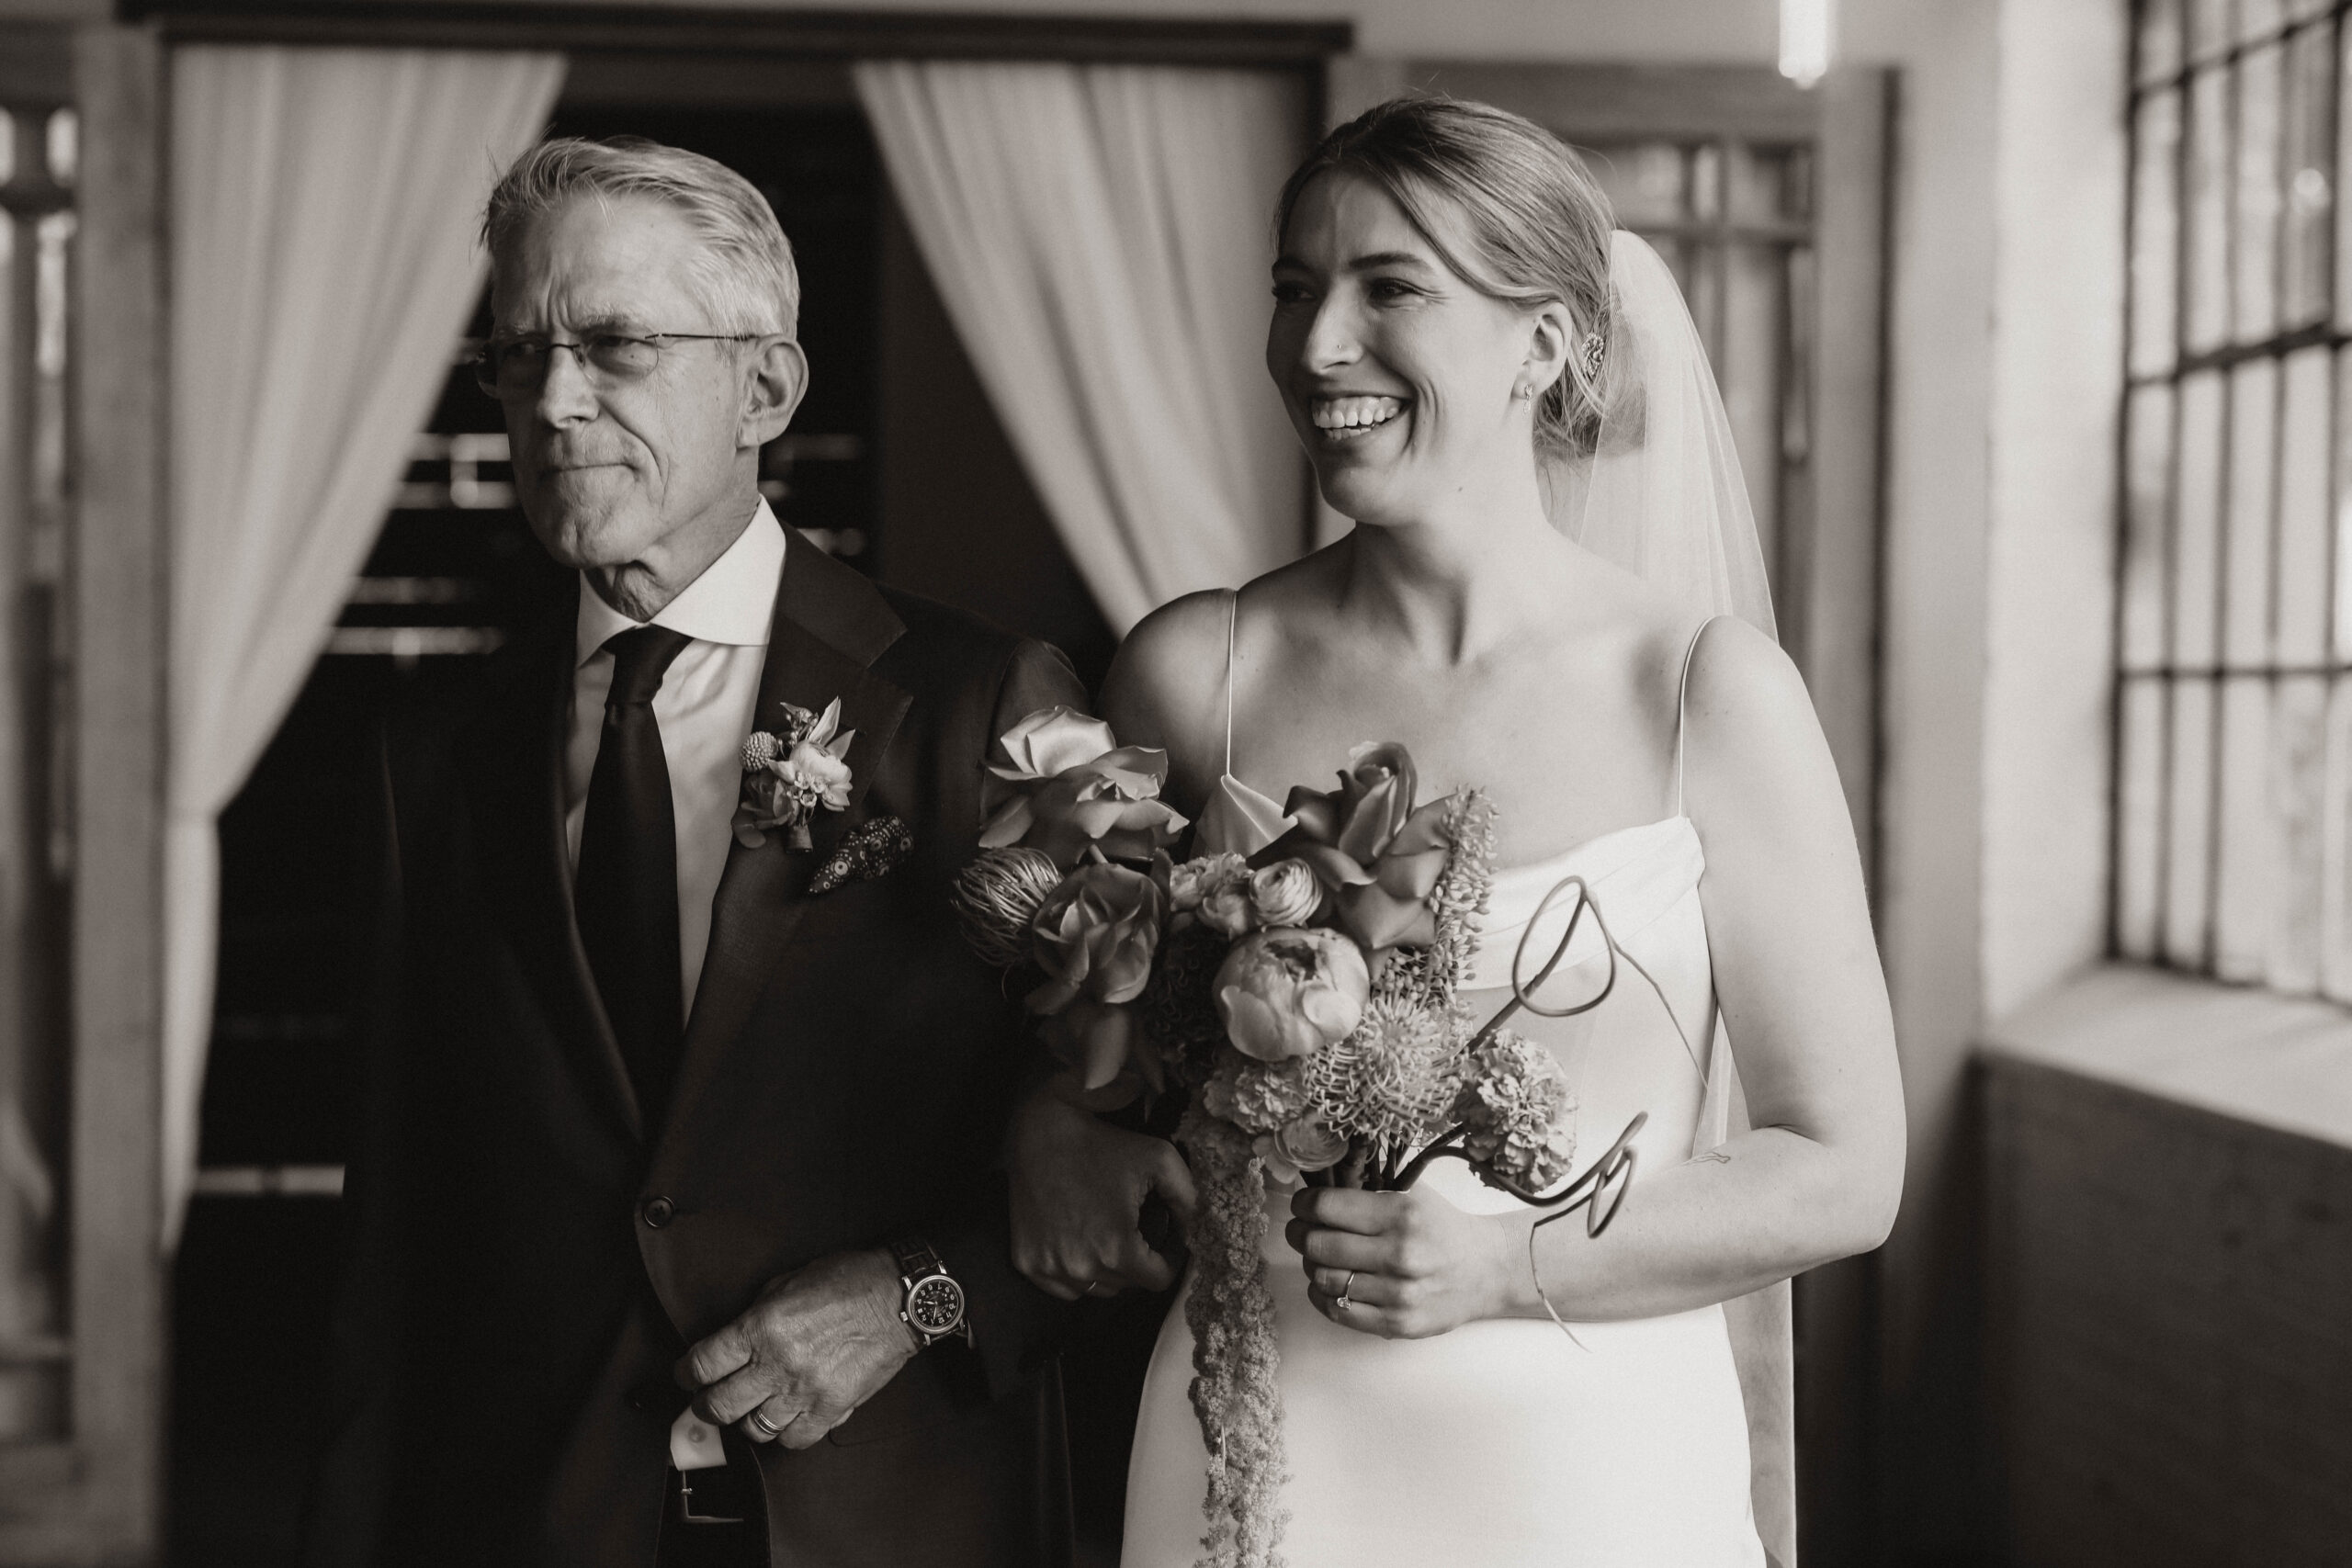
x,y
791,773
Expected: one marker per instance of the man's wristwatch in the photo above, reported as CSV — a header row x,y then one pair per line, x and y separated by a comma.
x,y
930,1303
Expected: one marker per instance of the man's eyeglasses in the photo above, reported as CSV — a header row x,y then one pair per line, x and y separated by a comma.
x,y
520,365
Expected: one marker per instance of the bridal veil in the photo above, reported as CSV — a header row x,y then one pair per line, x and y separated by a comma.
x,y
1662,495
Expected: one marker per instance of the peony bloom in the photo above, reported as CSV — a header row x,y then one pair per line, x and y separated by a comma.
x,y
1095,936
1074,787
1290,991
1286,894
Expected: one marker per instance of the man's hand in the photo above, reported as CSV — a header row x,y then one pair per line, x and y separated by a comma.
x,y
815,1346
1078,1186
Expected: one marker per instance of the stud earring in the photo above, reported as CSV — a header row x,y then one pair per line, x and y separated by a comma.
x,y
1521,392
1595,345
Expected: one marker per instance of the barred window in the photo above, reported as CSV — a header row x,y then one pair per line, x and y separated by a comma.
x,y
2233,751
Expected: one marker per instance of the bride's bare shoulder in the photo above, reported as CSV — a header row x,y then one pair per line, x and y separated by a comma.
x,y
1748,714
1169,677
1169,672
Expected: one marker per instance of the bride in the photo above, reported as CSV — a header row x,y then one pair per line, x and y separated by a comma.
x,y
1553,593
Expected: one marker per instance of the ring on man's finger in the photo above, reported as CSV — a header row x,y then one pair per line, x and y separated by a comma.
x,y
1093,1285
764,1424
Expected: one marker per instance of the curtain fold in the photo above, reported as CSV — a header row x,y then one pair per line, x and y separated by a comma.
x,y
323,208
1101,236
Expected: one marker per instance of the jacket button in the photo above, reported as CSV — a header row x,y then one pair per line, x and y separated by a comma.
x,y
657,1212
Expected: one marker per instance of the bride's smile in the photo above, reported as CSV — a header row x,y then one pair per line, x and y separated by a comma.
x,y
1404,380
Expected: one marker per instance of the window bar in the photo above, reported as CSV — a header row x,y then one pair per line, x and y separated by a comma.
x,y
2234,87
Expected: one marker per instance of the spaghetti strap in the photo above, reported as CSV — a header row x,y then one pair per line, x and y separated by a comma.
x,y
1681,704
1232,616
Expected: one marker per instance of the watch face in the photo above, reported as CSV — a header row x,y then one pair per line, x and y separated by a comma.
x,y
935,1306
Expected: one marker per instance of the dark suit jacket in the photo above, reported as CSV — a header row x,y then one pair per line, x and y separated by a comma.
x,y
516,1296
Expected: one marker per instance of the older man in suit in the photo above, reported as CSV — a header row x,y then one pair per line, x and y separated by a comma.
x,y
689,1090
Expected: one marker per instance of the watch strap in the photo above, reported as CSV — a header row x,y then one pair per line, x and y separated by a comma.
x,y
915,1258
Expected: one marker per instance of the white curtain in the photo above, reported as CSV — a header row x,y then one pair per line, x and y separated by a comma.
x,y
323,208
1101,236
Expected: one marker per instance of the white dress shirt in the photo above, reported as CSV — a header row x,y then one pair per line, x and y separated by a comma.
x,y
704,709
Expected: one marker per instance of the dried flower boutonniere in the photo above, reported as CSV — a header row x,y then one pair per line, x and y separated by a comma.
x,y
789,773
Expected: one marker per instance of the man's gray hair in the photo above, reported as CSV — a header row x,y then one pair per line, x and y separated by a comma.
x,y
742,272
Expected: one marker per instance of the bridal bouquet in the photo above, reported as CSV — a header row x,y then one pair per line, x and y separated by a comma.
x,y
1298,980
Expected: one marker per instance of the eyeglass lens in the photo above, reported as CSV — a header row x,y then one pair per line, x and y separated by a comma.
x,y
522,365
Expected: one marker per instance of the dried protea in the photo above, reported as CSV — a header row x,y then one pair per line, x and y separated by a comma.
x,y
997,896
1394,1079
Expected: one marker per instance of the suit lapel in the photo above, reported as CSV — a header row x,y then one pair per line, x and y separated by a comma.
x,y
830,627
515,780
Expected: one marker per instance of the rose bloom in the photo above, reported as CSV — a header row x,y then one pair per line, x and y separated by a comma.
x,y
1290,991
1096,936
1286,894
1075,787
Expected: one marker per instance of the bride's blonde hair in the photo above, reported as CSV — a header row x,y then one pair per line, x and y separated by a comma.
x,y
1513,212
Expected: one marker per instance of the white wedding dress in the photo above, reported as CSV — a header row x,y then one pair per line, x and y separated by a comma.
x,y
1505,1444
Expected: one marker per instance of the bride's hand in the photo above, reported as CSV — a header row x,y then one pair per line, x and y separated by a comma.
x,y
1403,1265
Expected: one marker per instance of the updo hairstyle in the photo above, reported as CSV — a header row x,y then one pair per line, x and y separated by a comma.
x,y
1513,212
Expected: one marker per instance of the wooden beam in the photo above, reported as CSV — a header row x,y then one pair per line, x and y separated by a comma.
x,y
802,34
118,588
1608,103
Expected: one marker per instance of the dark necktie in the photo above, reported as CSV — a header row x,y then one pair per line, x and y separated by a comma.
x,y
625,892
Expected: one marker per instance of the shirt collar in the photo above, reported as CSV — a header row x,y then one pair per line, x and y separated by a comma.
x,y
732,602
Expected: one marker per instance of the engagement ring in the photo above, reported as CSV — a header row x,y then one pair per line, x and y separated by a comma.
x,y
1341,1301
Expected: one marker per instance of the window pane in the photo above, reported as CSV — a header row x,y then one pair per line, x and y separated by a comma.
x,y
2301,10
1644,181
2206,319
2196,512
2298,754
2336,846
2246,531
2189,808
2310,69
2147,512
1767,183
2340,609
2342,209
2243,901
2139,800
2304,464
2209,26
2259,18
2159,39
2155,233
1703,287
2258,204
1706,177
